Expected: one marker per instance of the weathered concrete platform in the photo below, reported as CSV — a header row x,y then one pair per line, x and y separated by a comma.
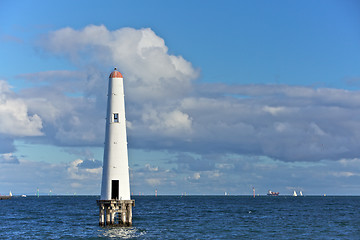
x,y
4,197
110,209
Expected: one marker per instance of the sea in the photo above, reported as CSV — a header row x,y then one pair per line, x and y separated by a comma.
x,y
185,217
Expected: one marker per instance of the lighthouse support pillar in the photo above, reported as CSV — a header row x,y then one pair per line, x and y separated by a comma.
x,y
102,215
108,209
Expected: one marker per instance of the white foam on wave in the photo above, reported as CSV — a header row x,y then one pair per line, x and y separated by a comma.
x,y
122,232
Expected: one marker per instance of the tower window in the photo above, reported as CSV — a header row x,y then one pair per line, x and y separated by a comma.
x,y
116,117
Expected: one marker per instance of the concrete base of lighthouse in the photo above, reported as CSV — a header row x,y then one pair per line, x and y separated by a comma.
x,y
112,209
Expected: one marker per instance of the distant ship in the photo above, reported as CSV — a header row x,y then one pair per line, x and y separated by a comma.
x,y
294,194
301,194
270,193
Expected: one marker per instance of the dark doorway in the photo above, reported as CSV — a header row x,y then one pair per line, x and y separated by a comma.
x,y
115,189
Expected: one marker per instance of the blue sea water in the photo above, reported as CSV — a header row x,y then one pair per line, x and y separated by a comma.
x,y
190,217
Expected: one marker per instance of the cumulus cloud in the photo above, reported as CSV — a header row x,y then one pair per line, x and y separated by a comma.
x,y
167,110
150,72
172,123
15,119
90,164
72,104
80,169
72,115
286,123
220,135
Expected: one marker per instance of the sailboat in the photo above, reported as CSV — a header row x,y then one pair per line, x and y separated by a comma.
x,y
301,194
294,194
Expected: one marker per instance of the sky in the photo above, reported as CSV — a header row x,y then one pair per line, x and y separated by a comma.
x,y
221,96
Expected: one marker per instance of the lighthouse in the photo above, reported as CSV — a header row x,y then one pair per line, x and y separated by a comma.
x,y
115,179
115,187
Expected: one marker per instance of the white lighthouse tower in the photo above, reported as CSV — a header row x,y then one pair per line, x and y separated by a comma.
x,y
115,178
115,187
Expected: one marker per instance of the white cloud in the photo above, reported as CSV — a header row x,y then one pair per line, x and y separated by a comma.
x,y
169,123
196,176
355,162
274,110
76,172
151,169
72,104
8,158
153,181
73,169
281,127
304,124
222,135
15,119
142,56
289,123
344,174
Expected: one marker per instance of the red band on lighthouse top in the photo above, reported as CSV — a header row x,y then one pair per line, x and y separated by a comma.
x,y
115,74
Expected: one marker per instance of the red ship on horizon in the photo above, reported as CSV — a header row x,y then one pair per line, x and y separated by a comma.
x,y
270,193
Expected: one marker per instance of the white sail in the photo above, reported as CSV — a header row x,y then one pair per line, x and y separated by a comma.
x,y
294,194
301,194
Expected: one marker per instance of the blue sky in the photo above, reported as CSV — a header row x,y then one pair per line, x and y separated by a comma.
x,y
220,96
